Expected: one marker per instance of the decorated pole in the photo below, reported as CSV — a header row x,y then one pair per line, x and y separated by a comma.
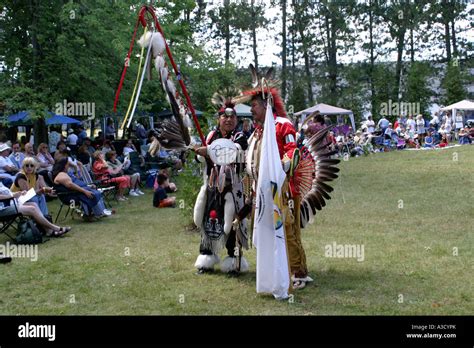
x,y
141,19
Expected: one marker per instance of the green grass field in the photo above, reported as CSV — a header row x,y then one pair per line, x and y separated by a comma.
x,y
411,210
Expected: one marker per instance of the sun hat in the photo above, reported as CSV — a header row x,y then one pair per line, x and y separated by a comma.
x,y
4,147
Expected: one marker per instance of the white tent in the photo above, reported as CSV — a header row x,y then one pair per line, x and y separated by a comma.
x,y
325,109
462,105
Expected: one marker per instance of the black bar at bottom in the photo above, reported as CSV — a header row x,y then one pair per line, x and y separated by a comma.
x,y
413,330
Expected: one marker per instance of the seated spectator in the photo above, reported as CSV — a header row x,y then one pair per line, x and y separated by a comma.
x,y
75,166
27,179
388,132
31,209
90,147
98,141
464,137
129,147
46,161
171,187
102,171
53,138
107,147
29,150
134,178
8,170
75,189
429,142
400,130
471,133
60,148
83,155
160,198
444,141
411,143
17,156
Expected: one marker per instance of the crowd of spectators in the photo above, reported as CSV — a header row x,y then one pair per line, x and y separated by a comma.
x,y
73,167
412,132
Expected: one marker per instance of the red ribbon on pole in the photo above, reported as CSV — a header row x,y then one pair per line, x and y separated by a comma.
x,y
141,18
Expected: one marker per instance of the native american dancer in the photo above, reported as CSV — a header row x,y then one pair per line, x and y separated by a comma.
x,y
304,189
221,196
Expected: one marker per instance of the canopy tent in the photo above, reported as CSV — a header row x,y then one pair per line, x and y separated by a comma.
x,y
465,105
60,119
329,110
243,110
21,118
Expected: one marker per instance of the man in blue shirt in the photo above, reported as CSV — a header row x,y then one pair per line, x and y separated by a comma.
x,y
17,156
383,124
81,136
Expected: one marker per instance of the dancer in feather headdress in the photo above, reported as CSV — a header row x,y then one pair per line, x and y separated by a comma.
x,y
304,190
221,196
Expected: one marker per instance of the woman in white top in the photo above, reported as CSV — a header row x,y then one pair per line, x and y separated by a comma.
x,y
370,125
420,127
448,127
29,209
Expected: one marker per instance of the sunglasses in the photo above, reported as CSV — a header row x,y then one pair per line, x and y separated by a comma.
x,y
29,165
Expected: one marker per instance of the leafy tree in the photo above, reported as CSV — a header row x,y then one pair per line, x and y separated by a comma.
x,y
417,90
452,84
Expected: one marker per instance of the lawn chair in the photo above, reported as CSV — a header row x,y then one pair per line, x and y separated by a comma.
x,y
9,215
401,143
108,189
73,207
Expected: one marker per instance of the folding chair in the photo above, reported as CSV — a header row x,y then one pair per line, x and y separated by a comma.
x,y
9,215
74,206
108,190
401,143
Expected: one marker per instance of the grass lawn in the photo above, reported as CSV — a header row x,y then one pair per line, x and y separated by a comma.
x,y
410,210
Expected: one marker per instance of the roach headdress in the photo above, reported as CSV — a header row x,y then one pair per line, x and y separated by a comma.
x,y
262,90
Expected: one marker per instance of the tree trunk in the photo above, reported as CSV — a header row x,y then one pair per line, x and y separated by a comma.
x,y
400,46
293,68
453,39
332,67
412,46
34,38
254,36
283,50
372,62
40,132
227,30
447,41
304,43
201,7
